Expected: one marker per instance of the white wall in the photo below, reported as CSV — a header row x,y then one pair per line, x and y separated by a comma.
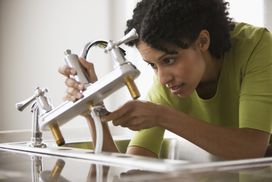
x,y
34,35
256,12
247,11
268,14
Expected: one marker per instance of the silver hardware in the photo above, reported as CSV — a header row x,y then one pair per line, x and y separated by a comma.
x,y
132,35
114,50
22,105
95,93
72,60
40,106
100,110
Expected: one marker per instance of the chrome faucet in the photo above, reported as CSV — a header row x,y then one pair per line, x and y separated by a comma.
x,y
40,105
46,117
123,74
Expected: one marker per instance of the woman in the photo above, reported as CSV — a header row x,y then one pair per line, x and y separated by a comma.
x,y
213,82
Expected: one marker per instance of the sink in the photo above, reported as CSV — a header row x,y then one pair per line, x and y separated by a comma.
x,y
172,149
176,154
83,150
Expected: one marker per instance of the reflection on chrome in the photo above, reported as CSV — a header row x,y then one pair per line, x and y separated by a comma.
x,y
55,173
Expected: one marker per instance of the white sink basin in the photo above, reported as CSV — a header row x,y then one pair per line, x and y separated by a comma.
x,y
84,150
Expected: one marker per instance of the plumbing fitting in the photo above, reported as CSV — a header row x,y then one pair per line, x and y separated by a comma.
x,y
92,101
40,106
95,113
57,134
118,56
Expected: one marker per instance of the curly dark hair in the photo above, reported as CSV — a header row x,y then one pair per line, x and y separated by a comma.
x,y
179,22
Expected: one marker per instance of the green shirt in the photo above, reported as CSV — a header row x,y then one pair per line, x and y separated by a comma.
x,y
244,91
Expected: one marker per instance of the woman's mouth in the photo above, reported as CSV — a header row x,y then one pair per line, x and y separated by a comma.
x,y
178,89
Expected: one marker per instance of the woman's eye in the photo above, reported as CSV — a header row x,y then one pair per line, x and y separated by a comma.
x,y
168,61
153,66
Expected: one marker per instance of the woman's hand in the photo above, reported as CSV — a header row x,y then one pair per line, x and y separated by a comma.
x,y
137,115
75,88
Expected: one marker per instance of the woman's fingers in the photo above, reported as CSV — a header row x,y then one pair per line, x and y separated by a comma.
x,y
125,116
135,115
70,82
117,114
69,98
74,92
74,89
67,71
90,69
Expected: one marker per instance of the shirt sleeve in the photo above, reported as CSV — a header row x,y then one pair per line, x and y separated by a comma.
x,y
150,139
256,89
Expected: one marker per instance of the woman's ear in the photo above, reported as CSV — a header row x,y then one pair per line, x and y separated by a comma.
x,y
203,40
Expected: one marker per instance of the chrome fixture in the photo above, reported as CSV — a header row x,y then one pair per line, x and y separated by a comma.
x,y
40,105
123,74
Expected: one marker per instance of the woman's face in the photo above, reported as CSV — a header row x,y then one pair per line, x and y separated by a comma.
x,y
181,70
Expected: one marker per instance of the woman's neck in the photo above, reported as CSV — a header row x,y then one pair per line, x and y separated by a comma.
x,y
207,87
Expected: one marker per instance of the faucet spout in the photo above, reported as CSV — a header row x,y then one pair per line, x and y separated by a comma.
x,y
122,75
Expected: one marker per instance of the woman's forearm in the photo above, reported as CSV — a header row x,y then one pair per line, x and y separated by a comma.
x,y
227,143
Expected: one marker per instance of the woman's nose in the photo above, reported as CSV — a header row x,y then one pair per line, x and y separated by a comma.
x,y
165,76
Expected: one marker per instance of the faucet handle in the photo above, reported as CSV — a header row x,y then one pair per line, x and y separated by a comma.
x,y
22,105
38,92
131,35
